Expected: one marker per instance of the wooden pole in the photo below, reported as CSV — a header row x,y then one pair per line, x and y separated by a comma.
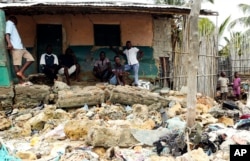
x,y
192,62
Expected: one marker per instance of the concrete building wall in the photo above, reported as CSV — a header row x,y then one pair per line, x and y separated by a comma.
x,y
78,29
153,36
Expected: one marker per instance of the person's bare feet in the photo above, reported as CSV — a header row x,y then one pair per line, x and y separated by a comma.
x,y
20,74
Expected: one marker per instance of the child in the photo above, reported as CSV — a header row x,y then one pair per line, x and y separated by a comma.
x,y
223,83
236,85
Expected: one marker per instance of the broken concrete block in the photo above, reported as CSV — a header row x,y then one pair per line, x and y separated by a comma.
x,y
129,95
6,97
77,97
30,96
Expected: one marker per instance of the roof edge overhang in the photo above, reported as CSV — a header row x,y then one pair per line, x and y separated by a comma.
x,y
95,8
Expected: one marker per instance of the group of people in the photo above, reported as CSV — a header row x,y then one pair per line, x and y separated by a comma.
x,y
224,83
116,75
66,64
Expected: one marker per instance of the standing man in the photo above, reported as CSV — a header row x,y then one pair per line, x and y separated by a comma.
x,y
14,44
133,55
49,64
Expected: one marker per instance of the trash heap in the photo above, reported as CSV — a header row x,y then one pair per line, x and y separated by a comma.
x,y
105,122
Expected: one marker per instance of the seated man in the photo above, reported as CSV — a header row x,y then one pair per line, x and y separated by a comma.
x,y
49,64
102,68
118,71
69,65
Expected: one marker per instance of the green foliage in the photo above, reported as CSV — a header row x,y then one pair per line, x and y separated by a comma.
x,y
206,27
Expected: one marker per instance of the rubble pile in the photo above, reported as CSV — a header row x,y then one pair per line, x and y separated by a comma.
x,y
106,122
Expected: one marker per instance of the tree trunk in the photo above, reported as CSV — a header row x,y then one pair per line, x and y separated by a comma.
x,y
192,62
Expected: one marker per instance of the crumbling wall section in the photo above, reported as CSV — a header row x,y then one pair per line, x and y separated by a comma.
x,y
162,38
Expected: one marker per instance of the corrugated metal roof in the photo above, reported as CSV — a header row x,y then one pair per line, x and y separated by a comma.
x,y
85,7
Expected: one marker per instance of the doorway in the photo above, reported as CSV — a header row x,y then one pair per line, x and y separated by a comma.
x,y
48,34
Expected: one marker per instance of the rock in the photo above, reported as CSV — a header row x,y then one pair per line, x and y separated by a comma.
x,y
24,117
99,151
109,137
6,97
140,111
226,121
30,96
217,112
59,85
78,129
61,114
142,135
196,155
174,110
38,122
201,108
176,124
77,97
164,91
26,155
4,124
180,99
206,119
207,101
113,112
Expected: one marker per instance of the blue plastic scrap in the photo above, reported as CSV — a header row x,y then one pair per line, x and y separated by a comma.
x,y
4,155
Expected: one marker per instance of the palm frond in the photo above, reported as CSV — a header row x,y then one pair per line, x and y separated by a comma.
x,y
244,7
223,25
245,21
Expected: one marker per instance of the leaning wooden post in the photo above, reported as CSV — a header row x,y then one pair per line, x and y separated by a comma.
x,y
192,62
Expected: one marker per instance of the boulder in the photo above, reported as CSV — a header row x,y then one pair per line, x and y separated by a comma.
x,y
38,121
78,129
4,124
174,110
109,137
113,112
26,155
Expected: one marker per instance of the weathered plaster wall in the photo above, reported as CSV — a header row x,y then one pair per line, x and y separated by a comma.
x,y
151,35
78,29
162,38
162,43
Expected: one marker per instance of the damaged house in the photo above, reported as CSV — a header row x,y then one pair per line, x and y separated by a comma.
x,y
89,27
